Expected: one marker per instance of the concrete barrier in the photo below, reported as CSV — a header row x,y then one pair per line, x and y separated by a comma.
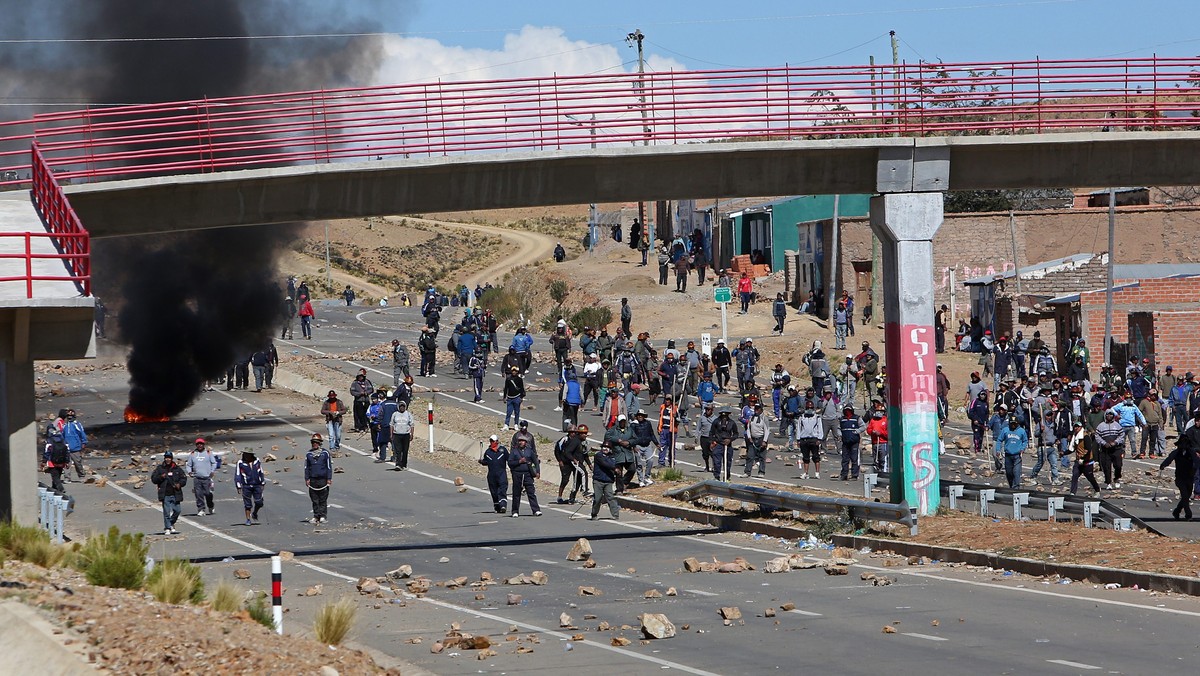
x,y
29,645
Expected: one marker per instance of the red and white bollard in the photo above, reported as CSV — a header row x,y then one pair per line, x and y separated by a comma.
x,y
277,592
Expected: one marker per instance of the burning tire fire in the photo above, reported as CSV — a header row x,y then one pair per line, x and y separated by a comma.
x,y
132,417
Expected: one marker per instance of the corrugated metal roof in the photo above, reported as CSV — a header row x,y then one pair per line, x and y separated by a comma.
x,y
1074,297
1035,270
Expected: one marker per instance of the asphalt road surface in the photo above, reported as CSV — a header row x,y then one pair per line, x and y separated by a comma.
x,y
947,619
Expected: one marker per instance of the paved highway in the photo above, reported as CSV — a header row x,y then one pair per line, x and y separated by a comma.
x,y
950,619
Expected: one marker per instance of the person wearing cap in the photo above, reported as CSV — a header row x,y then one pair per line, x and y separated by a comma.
x,y
619,439
979,414
400,360
1083,445
249,479
974,388
644,441
1138,384
401,426
360,394
1013,441
333,409
593,372
76,438
1183,456
56,458
847,376
689,362
566,450
841,324
525,467
708,415
809,433
1179,394
476,370
318,477
514,394
289,317
1131,419
780,379
828,410
1110,443
170,479
1153,441
605,477
495,459
724,431
722,360
746,357
1047,440
850,431
201,465
626,316
779,314
427,348
374,422
997,423
668,428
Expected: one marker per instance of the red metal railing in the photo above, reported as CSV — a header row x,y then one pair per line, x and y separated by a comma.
x,y
65,231
612,110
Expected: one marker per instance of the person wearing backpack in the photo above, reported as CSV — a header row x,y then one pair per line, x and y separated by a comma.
x,y
249,480
56,457
170,479
318,476
427,346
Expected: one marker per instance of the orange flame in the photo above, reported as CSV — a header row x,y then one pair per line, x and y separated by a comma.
x,y
132,416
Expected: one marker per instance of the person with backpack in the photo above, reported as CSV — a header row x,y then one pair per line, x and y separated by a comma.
x,y
249,480
560,254
56,457
77,439
495,459
476,369
170,479
318,477
201,466
400,359
402,425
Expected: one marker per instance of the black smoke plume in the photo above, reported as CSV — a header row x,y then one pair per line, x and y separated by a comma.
x,y
189,305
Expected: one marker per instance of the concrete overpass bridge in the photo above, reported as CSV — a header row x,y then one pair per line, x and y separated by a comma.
x,y
905,133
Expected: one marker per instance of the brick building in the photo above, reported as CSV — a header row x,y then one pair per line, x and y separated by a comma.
x,y
1154,318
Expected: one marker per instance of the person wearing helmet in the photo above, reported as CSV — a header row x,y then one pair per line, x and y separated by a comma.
x,y
1013,440
495,459
333,409
201,465
400,359
318,477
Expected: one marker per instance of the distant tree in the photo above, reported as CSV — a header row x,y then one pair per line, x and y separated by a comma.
x,y
1032,199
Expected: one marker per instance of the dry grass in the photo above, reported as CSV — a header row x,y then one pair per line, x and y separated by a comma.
x,y
227,597
334,621
176,581
114,559
31,544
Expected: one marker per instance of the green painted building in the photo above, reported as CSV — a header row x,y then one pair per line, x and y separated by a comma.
x,y
773,227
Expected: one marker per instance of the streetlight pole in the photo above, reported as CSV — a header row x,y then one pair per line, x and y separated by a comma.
x,y
636,37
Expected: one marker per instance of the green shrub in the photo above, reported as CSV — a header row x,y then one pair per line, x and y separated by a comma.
x,y
115,559
31,544
227,597
261,612
595,317
670,474
559,290
505,304
334,621
175,581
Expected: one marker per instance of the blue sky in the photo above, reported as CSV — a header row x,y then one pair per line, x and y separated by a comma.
x,y
483,40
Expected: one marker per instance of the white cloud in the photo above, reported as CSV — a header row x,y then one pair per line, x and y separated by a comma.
x,y
533,52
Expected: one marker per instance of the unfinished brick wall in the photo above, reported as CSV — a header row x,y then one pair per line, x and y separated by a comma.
x,y
1175,304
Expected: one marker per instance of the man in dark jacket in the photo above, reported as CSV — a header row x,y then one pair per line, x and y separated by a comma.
x,y
603,479
170,479
318,477
427,346
525,467
1184,455
360,393
619,440
724,431
495,459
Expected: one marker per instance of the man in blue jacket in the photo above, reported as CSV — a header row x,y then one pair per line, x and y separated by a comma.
x,y
603,476
1013,441
76,438
1131,419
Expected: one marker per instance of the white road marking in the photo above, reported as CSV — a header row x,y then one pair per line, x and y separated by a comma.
x,y
927,637
297,491
806,613
623,576
700,592
425,532
375,518
548,563
336,506
1074,665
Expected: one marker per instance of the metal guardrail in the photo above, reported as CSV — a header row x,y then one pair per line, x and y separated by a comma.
x,y
54,509
771,499
1090,510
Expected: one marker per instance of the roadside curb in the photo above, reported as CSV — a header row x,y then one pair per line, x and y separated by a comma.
x,y
1078,572
1081,573
29,644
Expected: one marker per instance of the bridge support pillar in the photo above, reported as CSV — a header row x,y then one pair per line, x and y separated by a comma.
x,y
18,443
905,223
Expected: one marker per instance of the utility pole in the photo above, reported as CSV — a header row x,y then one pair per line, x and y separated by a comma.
x,y
876,296
896,77
1108,290
636,37
834,253
328,270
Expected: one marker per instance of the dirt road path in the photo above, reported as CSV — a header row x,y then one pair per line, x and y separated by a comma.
x,y
521,248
